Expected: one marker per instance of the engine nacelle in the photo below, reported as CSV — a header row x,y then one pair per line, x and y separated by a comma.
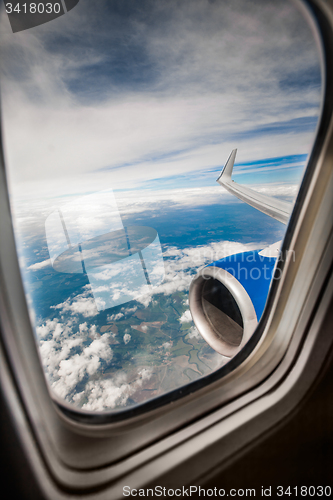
x,y
227,299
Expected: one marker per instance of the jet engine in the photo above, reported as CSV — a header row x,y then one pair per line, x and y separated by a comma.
x,y
227,298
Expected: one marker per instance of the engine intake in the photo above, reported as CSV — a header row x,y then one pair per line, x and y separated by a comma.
x,y
222,310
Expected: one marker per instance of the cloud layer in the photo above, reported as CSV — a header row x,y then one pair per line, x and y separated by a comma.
x,y
74,354
117,98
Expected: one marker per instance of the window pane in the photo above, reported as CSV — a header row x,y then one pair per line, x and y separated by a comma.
x,y
117,120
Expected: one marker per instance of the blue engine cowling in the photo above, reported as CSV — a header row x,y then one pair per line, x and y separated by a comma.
x,y
227,299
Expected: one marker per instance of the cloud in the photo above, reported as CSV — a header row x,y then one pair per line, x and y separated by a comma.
x,y
73,370
135,202
81,304
55,328
66,359
115,317
127,338
194,333
83,327
106,394
186,317
129,310
146,298
40,265
53,351
74,354
130,202
178,262
172,92
286,190
180,268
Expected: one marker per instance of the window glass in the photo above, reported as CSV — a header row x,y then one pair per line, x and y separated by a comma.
x,y
117,119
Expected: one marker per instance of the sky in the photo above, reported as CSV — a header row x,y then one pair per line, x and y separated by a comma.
x,y
153,95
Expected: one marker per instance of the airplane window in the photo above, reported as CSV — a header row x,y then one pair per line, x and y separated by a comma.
x,y
141,272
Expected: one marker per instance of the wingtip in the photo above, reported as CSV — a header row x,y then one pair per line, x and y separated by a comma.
x,y
228,167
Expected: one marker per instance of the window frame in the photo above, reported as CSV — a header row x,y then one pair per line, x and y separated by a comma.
x,y
75,451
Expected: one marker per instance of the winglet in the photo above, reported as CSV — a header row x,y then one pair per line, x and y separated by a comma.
x,y
278,209
227,169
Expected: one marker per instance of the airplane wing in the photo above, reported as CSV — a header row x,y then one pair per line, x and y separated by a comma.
x,y
279,210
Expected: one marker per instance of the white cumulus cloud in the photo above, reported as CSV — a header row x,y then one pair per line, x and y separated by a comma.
x,y
127,338
186,317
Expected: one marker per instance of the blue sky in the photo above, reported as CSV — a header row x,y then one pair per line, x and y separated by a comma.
x,y
154,95
285,169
